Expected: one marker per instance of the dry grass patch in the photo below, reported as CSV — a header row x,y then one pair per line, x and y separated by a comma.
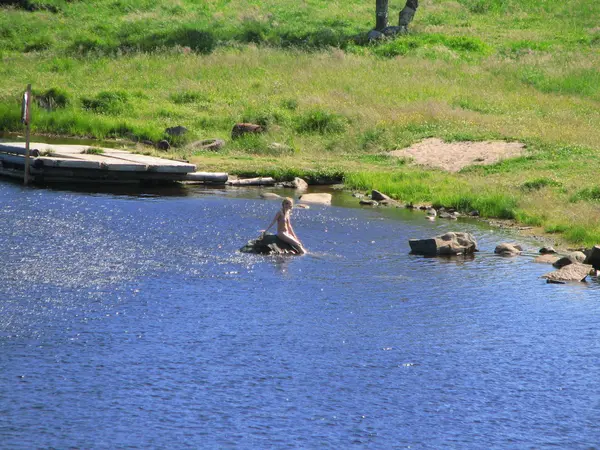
x,y
453,156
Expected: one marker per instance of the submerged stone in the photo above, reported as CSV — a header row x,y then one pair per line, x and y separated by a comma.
x,y
270,196
508,249
548,258
269,244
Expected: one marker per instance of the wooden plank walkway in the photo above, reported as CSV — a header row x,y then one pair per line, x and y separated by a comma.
x,y
63,163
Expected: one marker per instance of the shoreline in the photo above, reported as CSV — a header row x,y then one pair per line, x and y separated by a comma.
x,y
336,170
533,233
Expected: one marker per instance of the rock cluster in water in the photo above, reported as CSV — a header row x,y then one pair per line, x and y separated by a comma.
x,y
574,267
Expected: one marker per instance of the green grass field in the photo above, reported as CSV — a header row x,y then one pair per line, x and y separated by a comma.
x,y
468,70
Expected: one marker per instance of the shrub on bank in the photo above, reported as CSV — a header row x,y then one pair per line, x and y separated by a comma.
x,y
587,194
10,117
51,99
266,116
462,45
321,122
107,102
539,183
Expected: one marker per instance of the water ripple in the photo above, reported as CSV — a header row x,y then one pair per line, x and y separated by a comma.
x,y
133,321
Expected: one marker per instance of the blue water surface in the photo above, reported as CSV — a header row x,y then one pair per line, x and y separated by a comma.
x,y
130,320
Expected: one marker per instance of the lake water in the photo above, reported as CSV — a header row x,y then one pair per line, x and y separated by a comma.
x,y
130,320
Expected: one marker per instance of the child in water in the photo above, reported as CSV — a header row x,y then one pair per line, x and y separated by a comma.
x,y
285,232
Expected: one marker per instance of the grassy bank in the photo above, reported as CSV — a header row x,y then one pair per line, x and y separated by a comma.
x,y
469,70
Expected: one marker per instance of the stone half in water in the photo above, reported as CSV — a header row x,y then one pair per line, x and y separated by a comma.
x,y
449,244
572,272
269,244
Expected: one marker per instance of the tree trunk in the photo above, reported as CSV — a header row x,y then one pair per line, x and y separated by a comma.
x,y
407,13
381,14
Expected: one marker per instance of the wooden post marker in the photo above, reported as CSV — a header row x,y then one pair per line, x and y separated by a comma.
x,y
25,118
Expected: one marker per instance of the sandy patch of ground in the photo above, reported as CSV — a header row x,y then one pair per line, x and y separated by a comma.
x,y
453,156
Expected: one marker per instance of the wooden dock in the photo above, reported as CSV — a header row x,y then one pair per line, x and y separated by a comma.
x,y
85,164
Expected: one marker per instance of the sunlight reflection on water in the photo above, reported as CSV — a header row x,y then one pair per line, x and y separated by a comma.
x,y
133,321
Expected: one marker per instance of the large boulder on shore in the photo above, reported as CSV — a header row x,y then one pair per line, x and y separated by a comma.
x,y
379,196
269,244
449,244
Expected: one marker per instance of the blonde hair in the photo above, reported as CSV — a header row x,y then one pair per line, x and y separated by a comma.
x,y
288,201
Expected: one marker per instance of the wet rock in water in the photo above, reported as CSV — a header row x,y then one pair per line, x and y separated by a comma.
x,y
572,272
368,202
453,215
379,198
547,250
323,198
296,183
593,257
269,244
270,196
571,258
548,258
449,244
391,202
506,249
